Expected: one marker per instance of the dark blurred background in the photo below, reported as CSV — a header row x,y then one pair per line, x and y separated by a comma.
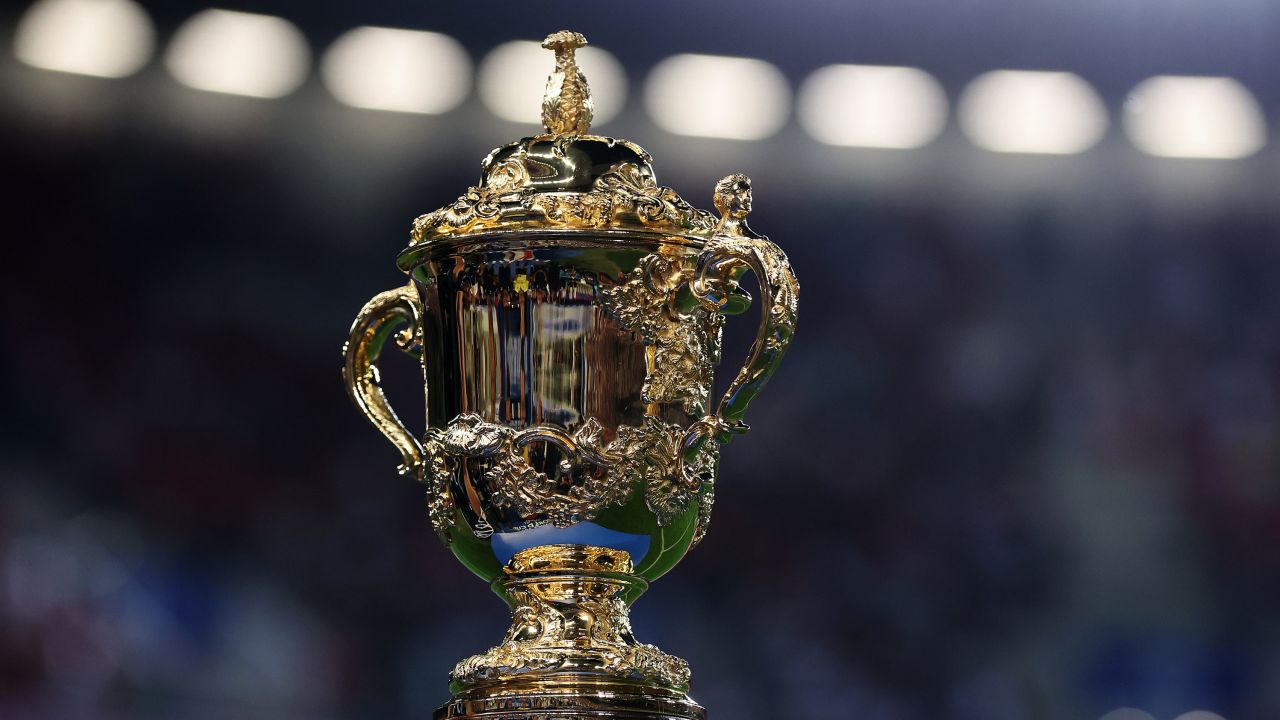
x,y
1021,461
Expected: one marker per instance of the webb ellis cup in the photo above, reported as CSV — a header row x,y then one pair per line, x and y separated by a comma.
x,y
567,311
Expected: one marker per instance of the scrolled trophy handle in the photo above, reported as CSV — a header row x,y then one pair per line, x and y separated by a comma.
x,y
733,249
377,321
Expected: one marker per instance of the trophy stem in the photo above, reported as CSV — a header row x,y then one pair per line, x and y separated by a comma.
x,y
570,651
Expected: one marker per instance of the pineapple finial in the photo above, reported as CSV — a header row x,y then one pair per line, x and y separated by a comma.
x,y
566,107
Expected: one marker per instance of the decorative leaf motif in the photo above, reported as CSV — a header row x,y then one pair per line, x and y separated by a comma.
x,y
650,458
517,485
437,474
626,194
684,348
643,457
589,434
469,435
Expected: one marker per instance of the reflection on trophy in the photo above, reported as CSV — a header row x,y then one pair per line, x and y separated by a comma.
x,y
567,311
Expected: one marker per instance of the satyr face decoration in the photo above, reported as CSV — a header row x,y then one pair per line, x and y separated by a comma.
x,y
732,196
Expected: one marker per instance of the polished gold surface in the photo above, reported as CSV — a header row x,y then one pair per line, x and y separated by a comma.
x,y
374,325
569,617
575,698
566,107
570,652
570,558
568,313
586,182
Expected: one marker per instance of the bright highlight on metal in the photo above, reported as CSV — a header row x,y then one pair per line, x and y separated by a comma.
x,y
103,38
1194,117
409,71
1020,111
872,106
714,96
513,76
239,53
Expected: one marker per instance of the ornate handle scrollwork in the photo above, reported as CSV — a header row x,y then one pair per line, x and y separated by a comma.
x,y
380,319
732,250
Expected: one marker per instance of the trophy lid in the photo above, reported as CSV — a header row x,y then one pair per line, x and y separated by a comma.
x,y
564,180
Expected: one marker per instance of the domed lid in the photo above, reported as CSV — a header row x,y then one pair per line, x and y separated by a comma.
x,y
562,180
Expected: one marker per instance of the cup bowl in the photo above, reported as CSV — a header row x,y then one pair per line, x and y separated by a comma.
x,y
545,429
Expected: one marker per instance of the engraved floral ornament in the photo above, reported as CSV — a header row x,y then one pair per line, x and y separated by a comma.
x,y
645,457
624,196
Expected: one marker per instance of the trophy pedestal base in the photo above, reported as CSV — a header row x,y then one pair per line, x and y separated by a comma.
x,y
543,702
569,652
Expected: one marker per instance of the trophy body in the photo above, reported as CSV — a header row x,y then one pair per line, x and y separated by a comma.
x,y
567,311
526,340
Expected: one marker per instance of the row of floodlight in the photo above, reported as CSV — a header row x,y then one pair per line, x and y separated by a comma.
x,y
1010,111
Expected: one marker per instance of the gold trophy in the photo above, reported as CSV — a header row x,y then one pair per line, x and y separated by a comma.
x,y
567,312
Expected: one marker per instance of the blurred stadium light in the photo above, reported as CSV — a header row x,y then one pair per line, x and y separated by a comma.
x,y
239,53
104,38
514,74
1020,111
1194,117
715,96
414,71
380,68
872,106
1128,714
